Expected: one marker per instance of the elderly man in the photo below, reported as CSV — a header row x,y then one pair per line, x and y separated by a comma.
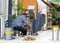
x,y
19,21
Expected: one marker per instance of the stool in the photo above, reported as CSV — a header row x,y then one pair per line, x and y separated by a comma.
x,y
17,33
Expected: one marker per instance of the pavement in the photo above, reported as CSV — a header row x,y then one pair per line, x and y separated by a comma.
x,y
43,37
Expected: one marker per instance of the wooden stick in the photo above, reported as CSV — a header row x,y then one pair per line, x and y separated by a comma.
x,y
46,3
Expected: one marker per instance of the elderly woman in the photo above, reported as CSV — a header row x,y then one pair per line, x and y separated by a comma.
x,y
37,22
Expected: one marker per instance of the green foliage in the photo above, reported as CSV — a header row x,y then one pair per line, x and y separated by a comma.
x,y
14,16
20,7
53,16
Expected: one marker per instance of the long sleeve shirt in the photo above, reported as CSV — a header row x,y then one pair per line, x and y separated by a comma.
x,y
19,21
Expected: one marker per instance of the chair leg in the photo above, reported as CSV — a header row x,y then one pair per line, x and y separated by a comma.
x,y
18,33
14,33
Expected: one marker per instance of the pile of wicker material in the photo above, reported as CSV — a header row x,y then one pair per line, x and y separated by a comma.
x,y
29,38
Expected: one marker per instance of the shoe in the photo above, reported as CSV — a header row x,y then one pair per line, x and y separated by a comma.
x,y
35,33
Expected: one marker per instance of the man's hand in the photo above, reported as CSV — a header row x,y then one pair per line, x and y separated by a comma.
x,y
24,26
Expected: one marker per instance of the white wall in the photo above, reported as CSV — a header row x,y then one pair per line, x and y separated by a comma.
x,y
1,7
42,6
6,9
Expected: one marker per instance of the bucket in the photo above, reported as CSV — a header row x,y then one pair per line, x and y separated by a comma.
x,y
55,33
8,34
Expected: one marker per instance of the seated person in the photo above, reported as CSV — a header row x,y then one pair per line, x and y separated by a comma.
x,y
19,21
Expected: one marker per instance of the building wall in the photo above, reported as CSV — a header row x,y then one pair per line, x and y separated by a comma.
x,y
6,9
27,3
1,7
